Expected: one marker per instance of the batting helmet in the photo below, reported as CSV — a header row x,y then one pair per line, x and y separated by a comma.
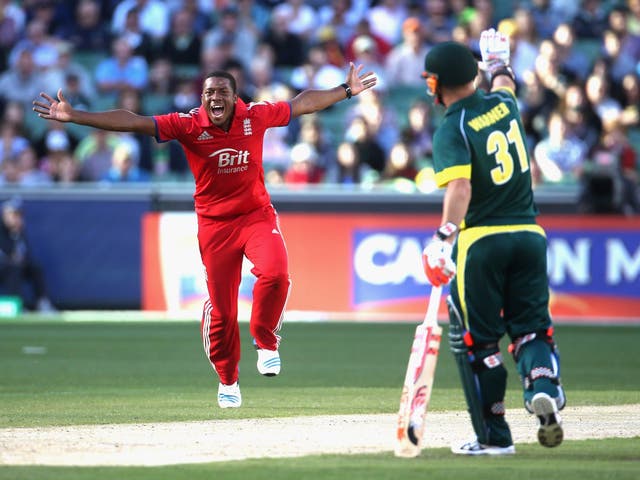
x,y
451,64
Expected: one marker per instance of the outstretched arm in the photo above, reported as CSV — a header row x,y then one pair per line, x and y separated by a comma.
x,y
310,101
116,120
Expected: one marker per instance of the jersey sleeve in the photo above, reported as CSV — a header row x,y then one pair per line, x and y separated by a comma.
x,y
451,155
273,114
170,126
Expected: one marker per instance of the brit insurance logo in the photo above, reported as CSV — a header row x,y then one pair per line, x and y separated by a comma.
x,y
231,160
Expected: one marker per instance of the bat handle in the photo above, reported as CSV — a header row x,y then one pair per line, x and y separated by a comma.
x,y
431,317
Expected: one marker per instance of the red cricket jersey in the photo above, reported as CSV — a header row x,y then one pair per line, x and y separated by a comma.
x,y
226,166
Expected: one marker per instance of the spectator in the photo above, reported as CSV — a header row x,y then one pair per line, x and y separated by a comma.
x,y
348,169
201,12
88,33
9,172
524,40
573,60
338,17
12,20
418,134
559,157
68,71
582,120
21,275
385,19
154,17
141,146
611,176
618,62
93,154
288,48
253,16
54,134
162,77
633,18
11,142
14,114
591,20
302,18
142,43
43,47
333,48
382,46
303,168
369,151
30,174
22,82
380,117
546,18
438,21
400,168
549,70
629,42
598,94
182,45
236,68
121,70
58,162
316,71
366,52
124,168
630,100
312,133
405,62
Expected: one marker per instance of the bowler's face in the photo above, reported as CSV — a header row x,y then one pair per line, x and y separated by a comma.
x,y
218,100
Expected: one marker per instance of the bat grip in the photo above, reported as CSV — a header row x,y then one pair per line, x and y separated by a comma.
x,y
431,317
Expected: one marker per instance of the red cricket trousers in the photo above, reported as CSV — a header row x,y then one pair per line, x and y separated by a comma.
x,y
223,243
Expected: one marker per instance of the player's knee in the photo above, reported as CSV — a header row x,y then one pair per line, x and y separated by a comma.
x,y
278,279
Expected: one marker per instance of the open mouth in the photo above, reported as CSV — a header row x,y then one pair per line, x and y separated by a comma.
x,y
217,110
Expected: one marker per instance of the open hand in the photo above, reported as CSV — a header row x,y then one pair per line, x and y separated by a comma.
x,y
360,81
52,109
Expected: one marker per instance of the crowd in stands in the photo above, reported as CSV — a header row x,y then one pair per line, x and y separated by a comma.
x,y
577,65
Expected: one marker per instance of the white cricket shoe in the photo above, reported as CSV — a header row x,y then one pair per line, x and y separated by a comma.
x,y
268,362
229,395
475,448
550,432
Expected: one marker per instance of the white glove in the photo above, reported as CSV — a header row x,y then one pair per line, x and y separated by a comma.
x,y
495,50
437,262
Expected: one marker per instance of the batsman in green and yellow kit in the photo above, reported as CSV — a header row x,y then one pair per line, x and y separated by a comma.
x,y
489,245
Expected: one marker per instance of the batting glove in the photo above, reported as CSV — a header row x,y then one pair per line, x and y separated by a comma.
x,y
437,262
495,50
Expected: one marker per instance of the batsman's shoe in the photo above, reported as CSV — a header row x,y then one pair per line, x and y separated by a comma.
x,y
475,448
550,432
229,395
268,362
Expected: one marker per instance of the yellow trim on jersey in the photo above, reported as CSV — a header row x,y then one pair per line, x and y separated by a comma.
x,y
508,89
468,237
452,173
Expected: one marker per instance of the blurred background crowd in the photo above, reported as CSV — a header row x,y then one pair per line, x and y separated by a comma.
x,y
577,65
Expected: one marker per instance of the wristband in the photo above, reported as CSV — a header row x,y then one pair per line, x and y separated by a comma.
x,y
446,230
503,70
347,89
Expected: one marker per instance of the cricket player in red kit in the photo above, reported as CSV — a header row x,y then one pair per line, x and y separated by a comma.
x,y
222,140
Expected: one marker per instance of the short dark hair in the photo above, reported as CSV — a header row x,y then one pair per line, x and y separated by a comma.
x,y
224,74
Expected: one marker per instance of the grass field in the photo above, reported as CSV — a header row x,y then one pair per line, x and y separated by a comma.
x,y
67,373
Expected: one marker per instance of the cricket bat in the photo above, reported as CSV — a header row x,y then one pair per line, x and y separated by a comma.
x,y
418,381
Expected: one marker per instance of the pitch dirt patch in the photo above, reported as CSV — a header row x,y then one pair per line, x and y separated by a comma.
x,y
222,440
